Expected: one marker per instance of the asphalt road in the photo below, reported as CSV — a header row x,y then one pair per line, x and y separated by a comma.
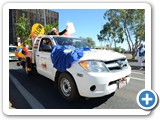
x,y
38,92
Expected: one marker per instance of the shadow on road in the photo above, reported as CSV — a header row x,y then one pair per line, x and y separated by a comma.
x,y
43,90
82,103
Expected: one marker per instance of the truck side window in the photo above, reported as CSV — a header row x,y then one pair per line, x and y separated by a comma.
x,y
46,45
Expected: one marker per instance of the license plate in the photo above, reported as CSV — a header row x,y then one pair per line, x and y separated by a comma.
x,y
122,83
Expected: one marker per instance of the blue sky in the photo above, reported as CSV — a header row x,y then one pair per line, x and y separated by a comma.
x,y
87,22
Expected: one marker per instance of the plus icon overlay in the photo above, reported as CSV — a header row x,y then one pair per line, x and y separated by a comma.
x,y
147,99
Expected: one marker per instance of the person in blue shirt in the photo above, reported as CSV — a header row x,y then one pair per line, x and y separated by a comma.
x,y
141,55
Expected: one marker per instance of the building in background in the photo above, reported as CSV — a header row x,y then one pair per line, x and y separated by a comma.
x,y
42,16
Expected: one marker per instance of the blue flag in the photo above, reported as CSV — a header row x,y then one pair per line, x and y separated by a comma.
x,y
63,56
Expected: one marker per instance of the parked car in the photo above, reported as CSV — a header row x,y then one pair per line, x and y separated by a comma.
x,y
12,53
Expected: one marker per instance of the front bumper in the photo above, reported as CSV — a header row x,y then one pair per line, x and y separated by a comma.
x,y
100,84
13,58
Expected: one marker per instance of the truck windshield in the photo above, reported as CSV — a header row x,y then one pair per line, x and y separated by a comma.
x,y
76,42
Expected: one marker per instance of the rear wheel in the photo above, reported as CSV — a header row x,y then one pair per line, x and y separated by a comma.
x,y
19,62
28,66
67,87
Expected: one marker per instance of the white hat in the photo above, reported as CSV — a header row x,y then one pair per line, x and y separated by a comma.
x,y
18,38
54,29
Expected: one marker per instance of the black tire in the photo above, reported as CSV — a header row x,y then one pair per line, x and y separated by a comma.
x,y
19,62
23,64
67,87
28,65
34,70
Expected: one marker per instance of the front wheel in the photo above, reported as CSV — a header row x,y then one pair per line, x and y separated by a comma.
x,y
67,87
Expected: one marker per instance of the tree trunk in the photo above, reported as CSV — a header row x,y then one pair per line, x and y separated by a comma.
x,y
130,37
128,41
114,43
133,47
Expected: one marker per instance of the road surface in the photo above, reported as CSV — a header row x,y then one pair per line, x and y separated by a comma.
x,y
38,92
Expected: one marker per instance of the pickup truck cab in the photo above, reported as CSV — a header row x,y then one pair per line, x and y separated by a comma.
x,y
96,74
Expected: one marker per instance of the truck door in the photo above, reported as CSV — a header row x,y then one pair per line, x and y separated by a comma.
x,y
43,59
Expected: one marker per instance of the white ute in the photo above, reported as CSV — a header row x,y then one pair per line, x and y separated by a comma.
x,y
96,74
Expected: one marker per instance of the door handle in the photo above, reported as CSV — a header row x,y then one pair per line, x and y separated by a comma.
x,y
37,55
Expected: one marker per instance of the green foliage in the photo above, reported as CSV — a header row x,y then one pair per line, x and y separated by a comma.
x,y
123,25
89,40
48,28
28,42
22,27
117,49
122,50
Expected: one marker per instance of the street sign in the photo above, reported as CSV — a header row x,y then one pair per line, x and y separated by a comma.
x,y
37,29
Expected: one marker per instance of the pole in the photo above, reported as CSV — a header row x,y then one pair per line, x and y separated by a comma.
x,y
44,16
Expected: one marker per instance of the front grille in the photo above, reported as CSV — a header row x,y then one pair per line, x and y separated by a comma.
x,y
113,82
114,68
116,65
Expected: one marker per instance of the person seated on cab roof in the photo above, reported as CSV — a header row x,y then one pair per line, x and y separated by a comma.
x,y
55,32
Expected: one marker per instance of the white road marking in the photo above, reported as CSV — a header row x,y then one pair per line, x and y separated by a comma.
x,y
138,73
32,101
137,78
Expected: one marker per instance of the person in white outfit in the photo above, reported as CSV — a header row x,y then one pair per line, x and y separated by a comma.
x,y
140,55
19,41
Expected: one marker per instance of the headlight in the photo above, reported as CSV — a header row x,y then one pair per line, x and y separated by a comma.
x,y
126,61
94,66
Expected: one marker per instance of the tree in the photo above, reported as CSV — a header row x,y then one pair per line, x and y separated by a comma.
x,y
22,27
111,33
90,41
48,27
124,24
